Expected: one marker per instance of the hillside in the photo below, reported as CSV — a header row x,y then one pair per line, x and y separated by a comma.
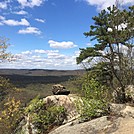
x,y
23,77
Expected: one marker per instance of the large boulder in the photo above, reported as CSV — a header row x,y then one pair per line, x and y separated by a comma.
x,y
26,126
58,89
68,102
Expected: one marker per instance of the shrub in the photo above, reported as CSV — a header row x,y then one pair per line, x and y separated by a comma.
x,y
5,87
45,117
95,100
10,115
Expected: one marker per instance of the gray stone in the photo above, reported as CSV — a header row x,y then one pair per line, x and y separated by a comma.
x,y
115,109
90,127
67,102
58,89
129,92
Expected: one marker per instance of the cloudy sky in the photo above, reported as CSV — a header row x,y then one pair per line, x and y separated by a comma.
x,y
47,34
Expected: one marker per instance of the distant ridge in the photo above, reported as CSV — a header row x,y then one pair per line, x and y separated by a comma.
x,y
23,77
40,72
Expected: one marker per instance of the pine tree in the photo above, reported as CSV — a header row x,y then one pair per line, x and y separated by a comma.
x,y
113,29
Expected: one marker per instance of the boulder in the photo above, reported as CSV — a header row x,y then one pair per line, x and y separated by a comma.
x,y
68,102
58,89
129,92
122,110
128,111
115,109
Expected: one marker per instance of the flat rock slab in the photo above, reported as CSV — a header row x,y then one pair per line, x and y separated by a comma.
x,y
126,126
90,127
98,126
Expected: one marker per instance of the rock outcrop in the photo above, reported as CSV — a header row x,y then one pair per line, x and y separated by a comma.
x,y
67,101
58,89
91,127
102,125
122,110
120,121
110,124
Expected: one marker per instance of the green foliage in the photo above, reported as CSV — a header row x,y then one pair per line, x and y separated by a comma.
x,y
90,108
86,53
10,115
113,30
94,90
4,55
10,107
34,105
44,117
5,87
95,100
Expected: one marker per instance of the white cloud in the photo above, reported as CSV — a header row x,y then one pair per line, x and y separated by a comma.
x,y
127,2
121,26
23,22
41,51
30,30
43,59
64,45
40,20
55,55
3,5
51,54
26,52
89,44
103,4
1,24
109,29
22,12
2,18
30,3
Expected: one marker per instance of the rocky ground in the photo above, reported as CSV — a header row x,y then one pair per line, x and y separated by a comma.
x,y
99,126
120,120
126,126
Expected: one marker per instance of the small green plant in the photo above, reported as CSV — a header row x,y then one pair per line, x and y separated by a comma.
x,y
45,117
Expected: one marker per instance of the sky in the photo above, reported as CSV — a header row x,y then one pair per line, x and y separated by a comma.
x,y
47,34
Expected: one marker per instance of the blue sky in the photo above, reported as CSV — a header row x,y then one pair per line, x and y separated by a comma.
x,y
47,34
